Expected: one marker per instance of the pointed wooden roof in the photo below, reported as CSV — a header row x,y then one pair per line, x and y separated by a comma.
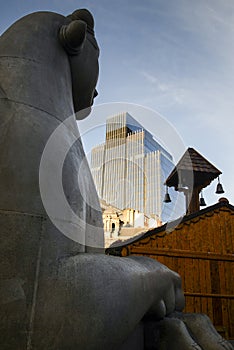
x,y
194,169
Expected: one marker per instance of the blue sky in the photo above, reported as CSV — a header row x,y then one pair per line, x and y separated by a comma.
x,y
172,56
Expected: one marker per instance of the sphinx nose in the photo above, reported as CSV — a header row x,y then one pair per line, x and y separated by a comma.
x,y
95,93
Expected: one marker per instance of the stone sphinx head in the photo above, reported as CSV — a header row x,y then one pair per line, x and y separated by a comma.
x,y
48,70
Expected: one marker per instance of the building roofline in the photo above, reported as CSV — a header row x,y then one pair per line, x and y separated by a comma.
x,y
168,226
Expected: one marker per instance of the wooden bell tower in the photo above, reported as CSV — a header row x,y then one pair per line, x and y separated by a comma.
x,y
192,173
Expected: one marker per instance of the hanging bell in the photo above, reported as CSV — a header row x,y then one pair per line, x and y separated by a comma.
x,y
219,188
167,198
202,202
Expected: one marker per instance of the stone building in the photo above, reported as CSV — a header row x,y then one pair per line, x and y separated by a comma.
x,y
122,224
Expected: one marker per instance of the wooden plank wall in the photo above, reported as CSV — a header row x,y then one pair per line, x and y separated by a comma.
x,y
202,252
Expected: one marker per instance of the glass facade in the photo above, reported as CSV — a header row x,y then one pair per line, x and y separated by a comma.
x,y
130,168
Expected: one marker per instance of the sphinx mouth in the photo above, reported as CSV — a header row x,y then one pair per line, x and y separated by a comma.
x,y
83,113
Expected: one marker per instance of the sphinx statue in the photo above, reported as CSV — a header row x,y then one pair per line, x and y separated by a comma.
x,y
57,291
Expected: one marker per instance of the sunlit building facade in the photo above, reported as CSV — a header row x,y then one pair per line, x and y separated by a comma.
x,y
130,168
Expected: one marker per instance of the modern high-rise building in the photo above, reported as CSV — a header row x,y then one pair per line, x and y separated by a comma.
x,y
130,168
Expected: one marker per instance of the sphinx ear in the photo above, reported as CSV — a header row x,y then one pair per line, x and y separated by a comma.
x,y
72,36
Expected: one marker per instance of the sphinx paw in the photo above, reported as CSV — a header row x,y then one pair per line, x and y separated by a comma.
x,y
203,332
174,335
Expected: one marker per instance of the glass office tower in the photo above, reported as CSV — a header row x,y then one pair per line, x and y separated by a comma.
x,y
130,168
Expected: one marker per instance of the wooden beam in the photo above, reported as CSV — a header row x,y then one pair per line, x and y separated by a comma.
x,y
181,253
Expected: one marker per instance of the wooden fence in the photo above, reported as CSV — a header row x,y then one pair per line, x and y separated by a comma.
x,y
201,250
